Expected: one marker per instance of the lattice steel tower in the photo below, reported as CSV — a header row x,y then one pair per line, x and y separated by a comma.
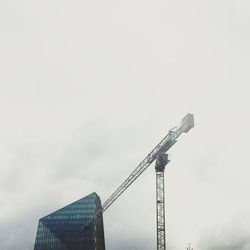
x,y
161,162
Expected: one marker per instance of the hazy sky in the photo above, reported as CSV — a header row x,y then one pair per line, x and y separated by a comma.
x,y
88,88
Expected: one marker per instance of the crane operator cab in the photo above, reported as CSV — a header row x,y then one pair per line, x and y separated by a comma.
x,y
161,162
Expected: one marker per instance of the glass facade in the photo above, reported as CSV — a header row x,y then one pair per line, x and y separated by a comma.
x,y
63,229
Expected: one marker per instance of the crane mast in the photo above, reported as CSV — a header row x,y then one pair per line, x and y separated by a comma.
x,y
157,154
160,163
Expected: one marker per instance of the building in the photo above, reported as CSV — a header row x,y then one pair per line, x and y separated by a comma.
x,y
63,229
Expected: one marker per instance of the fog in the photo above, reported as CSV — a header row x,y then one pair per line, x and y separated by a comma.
x,y
88,88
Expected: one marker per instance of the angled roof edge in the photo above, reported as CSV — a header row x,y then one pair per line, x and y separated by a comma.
x,y
91,194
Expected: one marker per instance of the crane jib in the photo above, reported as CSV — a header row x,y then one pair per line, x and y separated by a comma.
x,y
165,144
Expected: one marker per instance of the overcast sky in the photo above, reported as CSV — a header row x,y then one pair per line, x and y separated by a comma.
x,y
88,88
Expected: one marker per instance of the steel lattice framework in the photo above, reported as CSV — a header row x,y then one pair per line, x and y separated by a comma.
x,y
161,162
160,211
163,146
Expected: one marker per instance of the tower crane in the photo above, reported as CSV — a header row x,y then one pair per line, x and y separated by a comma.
x,y
158,154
